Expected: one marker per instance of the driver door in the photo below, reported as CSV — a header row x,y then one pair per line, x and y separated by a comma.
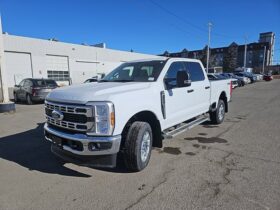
x,y
178,100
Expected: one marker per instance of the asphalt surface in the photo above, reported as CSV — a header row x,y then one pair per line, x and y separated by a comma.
x,y
235,165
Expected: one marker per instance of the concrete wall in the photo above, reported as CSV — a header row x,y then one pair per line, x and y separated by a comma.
x,y
29,57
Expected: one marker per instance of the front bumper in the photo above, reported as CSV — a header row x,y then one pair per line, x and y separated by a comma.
x,y
84,141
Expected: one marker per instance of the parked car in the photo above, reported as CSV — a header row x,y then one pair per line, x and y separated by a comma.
x,y
33,90
96,78
252,77
131,110
267,77
218,76
259,76
91,80
241,80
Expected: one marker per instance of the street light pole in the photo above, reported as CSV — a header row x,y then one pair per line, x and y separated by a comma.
x,y
208,46
245,53
264,55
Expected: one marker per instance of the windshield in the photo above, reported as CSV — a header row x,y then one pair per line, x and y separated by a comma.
x,y
147,71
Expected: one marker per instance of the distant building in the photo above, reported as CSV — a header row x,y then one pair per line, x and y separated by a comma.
x,y
232,56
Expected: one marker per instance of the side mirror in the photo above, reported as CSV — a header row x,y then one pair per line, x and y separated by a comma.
x,y
183,79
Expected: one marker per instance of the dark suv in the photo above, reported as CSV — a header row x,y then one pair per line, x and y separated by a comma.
x,y
33,90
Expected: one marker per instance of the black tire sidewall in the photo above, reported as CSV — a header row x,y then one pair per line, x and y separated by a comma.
x,y
220,103
140,139
29,99
133,146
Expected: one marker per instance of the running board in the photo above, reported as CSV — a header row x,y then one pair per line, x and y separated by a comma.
x,y
184,127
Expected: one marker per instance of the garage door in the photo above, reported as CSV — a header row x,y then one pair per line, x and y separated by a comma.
x,y
18,67
57,68
83,70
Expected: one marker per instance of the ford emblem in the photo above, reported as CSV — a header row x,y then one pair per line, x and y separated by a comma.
x,y
57,115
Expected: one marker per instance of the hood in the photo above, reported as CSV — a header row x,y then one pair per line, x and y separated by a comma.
x,y
83,93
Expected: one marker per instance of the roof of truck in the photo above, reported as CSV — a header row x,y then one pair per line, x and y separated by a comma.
x,y
162,59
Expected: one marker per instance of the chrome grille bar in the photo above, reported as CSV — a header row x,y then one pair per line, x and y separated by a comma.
x,y
71,109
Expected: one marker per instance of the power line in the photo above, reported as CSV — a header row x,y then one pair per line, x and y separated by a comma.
x,y
189,22
177,16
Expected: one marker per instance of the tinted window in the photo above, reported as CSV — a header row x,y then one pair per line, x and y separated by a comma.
x,y
43,82
195,71
170,77
50,83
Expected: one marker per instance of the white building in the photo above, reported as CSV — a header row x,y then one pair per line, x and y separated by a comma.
x,y
37,58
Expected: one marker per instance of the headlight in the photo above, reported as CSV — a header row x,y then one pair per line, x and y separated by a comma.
x,y
104,118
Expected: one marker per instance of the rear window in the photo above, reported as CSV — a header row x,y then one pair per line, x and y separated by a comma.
x,y
42,83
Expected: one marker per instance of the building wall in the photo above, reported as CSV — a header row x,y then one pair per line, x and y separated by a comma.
x,y
29,57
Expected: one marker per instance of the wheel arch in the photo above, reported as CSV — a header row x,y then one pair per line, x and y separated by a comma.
x,y
149,117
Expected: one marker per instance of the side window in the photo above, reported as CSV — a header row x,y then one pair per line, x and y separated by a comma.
x,y
27,83
195,71
170,77
21,83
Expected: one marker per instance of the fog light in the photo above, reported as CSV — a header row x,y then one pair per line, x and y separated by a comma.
x,y
94,146
99,146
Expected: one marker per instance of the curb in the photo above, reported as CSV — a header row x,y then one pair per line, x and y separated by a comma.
x,y
7,107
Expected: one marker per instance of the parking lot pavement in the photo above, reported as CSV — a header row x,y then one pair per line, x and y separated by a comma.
x,y
235,165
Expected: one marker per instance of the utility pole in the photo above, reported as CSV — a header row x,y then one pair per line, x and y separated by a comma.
x,y
245,53
208,46
264,55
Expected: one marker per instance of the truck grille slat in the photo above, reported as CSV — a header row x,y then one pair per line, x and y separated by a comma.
x,y
75,117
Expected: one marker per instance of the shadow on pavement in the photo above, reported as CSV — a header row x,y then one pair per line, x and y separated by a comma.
x,y
30,150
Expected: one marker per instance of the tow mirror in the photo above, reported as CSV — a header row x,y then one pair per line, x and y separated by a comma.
x,y
183,79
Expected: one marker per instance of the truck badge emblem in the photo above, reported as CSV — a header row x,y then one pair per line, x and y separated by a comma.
x,y
57,115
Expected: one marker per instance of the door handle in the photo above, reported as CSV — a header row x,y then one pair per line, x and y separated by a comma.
x,y
207,87
191,90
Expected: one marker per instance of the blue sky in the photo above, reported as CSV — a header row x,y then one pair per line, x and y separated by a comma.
x,y
147,26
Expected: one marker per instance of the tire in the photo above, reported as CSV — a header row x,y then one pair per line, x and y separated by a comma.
x,y
15,98
29,99
217,117
138,146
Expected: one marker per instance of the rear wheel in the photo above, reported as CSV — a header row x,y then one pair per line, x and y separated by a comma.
x,y
138,146
217,117
29,100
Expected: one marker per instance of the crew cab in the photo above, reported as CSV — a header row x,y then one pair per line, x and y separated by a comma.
x,y
131,110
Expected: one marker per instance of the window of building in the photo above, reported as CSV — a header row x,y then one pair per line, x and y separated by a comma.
x,y
195,71
58,75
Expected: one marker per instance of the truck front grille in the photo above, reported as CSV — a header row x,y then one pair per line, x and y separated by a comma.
x,y
75,117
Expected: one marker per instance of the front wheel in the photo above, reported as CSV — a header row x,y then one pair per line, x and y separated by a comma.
x,y
217,117
138,146
15,98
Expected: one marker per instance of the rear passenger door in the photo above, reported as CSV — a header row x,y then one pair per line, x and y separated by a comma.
x,y
201,88
26,88
20,90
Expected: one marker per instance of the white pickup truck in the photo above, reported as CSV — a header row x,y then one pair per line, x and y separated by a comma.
x,y
131,110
